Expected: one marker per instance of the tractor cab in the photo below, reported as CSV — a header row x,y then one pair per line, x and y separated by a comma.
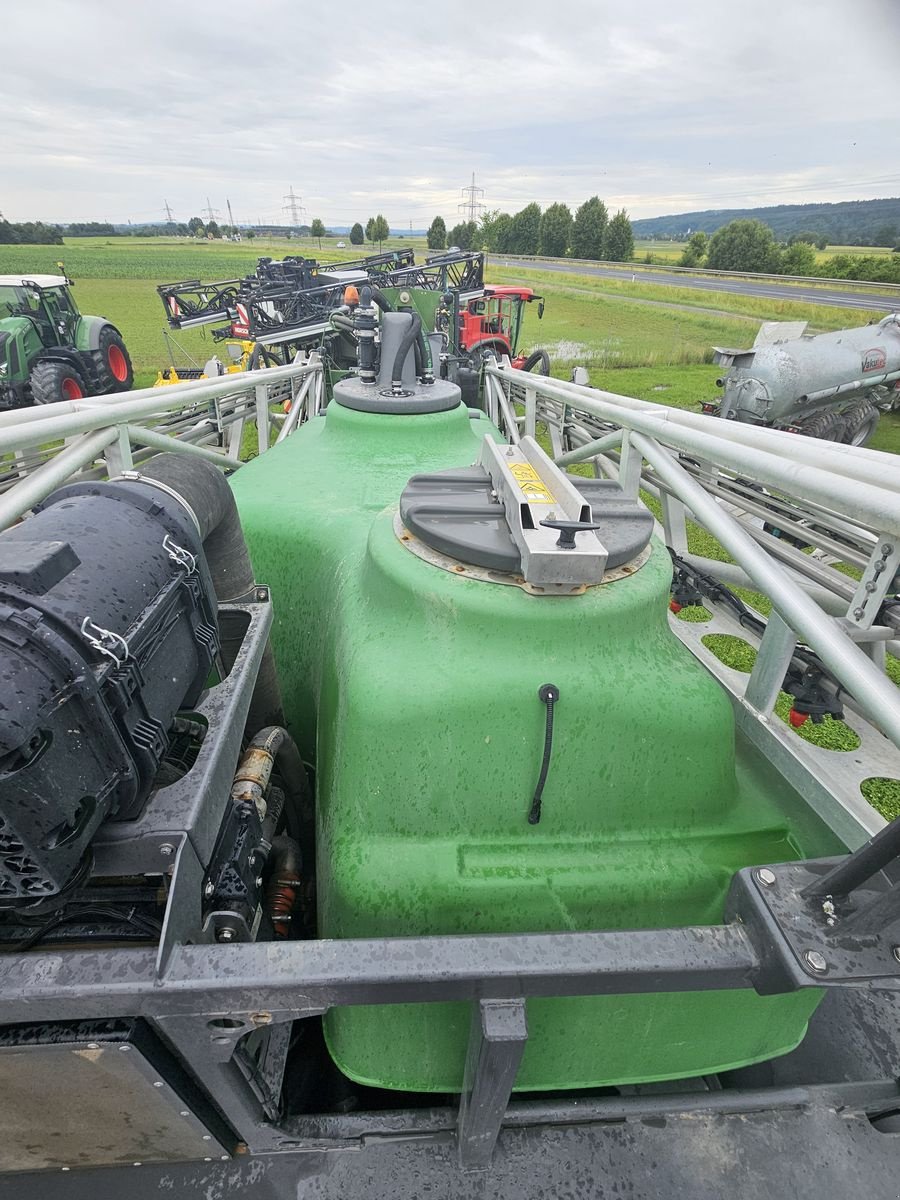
x,y
493,321
46,301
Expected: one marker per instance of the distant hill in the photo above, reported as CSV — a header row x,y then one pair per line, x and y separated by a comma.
x,y
849,223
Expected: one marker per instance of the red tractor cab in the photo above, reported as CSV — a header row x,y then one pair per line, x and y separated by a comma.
x,y
493,321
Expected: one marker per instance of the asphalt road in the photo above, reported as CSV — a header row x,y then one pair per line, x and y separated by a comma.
x,y
768,290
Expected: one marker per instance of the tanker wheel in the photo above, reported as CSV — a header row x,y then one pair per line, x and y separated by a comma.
x,y
861,423
828,426
535,357
112,362
53,381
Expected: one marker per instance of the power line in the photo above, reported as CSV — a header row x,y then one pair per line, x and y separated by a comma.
x,y
471,203
294,206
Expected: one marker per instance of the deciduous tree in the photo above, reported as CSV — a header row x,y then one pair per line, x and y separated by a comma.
x,y
437,234
744,245
556,230
463,235
525,231
589,229
695,250
618,245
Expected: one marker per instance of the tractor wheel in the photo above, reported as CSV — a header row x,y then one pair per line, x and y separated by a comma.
x,y
828,426
861,423
535,357
53,381
112,362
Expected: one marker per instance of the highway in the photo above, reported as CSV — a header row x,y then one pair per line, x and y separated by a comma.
x,y
828,293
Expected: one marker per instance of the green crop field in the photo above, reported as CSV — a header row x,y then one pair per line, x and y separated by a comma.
x,y
117,278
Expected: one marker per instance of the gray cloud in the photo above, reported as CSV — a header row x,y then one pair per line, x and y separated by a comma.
x,y
109,109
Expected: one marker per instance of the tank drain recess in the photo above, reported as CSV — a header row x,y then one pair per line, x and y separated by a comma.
x,y
548,693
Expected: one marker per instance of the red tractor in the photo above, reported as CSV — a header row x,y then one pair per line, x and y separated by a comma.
x,y
493,322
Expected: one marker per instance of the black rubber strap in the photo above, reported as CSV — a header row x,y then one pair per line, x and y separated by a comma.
x,y
548,694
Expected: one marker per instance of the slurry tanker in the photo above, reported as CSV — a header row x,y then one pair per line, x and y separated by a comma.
x,y
831,385
371,827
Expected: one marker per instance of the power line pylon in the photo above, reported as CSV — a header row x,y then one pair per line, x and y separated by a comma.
x,y
294,207
471,205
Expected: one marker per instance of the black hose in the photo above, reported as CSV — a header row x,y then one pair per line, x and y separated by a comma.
x,y
277,742
205,491
406,344
381,300
535,357
427,367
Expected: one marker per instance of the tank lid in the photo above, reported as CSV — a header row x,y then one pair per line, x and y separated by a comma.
x,y
417,398
517,513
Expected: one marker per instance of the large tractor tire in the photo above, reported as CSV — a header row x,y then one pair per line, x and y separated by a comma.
x,y
860,423
112,362
829,426
52,381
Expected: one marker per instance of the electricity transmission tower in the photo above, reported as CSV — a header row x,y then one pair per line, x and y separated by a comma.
x,y
471,205
170,218
230,214
210,212
294,207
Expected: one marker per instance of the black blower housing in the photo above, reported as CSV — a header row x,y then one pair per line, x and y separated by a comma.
x,y
107,629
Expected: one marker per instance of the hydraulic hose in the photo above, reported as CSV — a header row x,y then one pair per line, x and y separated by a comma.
x,y
205,492
427,366
406,344
381,300
535,357
270,746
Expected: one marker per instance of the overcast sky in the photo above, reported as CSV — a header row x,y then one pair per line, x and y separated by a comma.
x,y
109,109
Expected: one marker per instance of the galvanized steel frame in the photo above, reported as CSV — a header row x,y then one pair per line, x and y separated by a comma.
x,y
106,435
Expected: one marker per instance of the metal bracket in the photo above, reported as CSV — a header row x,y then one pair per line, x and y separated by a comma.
x,y
802,937
876,580
497,1040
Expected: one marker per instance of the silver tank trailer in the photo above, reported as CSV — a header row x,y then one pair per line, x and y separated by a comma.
x,y
830,385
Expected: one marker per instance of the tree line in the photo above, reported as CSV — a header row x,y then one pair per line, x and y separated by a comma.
x,y
750,245
555,232
32,233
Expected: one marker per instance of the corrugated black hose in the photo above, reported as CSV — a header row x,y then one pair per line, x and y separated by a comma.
x,y
548,693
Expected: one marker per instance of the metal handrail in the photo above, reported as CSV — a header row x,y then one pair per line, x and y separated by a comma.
x,y
113,425
793,465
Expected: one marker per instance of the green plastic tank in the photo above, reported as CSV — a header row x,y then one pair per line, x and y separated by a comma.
x,y
414,689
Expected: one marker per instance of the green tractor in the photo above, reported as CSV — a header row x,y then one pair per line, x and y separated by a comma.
x,y
49,351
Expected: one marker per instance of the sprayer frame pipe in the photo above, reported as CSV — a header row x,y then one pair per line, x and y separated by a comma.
x,y
293,416
874,506
148,401
159,441
52,474
874,692
609,441
856,462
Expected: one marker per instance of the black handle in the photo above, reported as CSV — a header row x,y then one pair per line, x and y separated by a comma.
x,y
567,531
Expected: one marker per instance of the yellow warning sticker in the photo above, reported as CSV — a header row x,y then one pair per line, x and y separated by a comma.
x,y
532,486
